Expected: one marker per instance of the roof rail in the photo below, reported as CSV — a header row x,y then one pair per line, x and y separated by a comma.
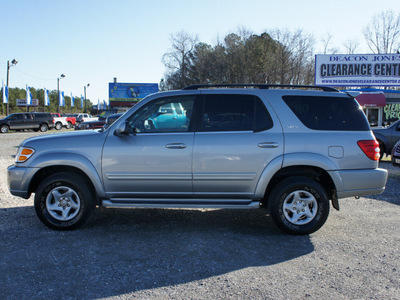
x,y
259,86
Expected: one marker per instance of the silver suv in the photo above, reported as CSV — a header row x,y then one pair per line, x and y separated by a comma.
x,y
255,146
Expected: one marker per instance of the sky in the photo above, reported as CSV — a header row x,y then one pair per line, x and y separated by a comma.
x,y
93,41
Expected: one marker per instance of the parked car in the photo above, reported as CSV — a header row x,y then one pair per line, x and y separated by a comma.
x,y
85,118
59,121
168,115
396,154
387,137
111,119
30,120
90,125
71,119
290,150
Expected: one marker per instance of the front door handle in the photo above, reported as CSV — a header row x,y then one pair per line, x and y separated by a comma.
x,y
268,145
175,146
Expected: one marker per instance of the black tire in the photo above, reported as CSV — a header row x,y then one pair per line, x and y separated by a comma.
x,y
382,150
4,128
43,127
58,126
63,201
69,125
299,205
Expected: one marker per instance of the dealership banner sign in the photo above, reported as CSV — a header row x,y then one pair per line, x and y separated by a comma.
x,y
357,70
130,92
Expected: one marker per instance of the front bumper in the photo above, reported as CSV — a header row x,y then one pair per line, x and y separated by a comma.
x,y
396,161
19,179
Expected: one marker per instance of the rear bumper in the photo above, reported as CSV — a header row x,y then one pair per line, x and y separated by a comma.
x,y
350,183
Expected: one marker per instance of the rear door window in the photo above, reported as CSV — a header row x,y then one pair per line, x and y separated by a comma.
x,y
234,113
328,113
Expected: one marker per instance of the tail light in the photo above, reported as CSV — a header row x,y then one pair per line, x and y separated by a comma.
x,y
370,148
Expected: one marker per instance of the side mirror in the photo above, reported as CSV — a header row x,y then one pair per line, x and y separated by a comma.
x,y
121,129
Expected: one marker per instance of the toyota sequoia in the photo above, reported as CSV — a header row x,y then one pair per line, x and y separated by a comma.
x,y
295,150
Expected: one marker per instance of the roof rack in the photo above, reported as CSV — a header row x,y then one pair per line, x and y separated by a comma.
x,y
259,86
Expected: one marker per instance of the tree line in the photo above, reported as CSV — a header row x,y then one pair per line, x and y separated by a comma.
x,y
276,57
240,58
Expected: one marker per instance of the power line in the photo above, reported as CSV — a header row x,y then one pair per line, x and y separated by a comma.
x,y
35,77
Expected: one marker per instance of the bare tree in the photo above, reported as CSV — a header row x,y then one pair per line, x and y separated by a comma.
x,y
351,46
293,57
326,42
177,60
383,33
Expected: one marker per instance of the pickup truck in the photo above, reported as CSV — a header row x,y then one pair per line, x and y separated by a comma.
x,y
71,119
23,121
60,121
85,118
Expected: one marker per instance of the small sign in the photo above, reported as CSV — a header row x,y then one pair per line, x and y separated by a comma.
x,y
22,102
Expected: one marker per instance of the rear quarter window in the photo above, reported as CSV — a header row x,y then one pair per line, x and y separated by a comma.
x,y
328,113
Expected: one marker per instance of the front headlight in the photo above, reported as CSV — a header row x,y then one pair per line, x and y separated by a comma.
x,y
24,153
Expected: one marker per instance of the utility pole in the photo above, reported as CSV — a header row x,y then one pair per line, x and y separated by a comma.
x,y
58,90
13,63
84,88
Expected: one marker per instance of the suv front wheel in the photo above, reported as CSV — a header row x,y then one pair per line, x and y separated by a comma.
x,y
4,129
299,205
63,201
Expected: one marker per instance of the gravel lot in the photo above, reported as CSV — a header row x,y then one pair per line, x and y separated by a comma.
x,y
199,254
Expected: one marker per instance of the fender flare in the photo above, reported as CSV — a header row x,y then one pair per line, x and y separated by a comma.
x,y
75,160
294,160
384,140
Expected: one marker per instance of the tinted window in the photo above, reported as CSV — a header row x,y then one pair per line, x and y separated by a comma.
x,y
234,113
42,115
328,113
263,120
162,116
18,116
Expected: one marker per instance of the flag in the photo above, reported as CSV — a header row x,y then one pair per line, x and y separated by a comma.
x,y
28,96
62,100
46,97
81,101
5,94
72,100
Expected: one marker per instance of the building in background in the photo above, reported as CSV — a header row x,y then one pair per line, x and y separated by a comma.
x,y
382,106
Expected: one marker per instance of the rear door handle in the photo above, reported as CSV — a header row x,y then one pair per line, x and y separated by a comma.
x,y
175,146
268,145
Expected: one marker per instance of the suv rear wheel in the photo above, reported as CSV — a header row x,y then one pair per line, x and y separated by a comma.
x,y
299,205
58,126
44,127
63,201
